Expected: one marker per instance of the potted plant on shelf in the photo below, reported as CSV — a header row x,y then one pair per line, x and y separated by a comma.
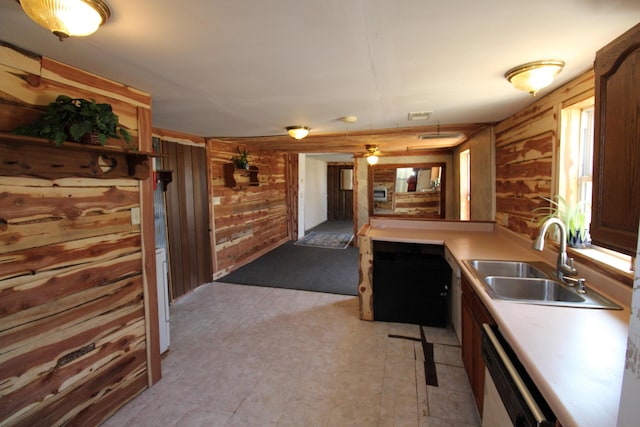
x,y
574,218
241,160
78,120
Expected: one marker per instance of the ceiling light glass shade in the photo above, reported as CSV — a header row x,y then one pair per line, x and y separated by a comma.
x,y
533,76
372,159
298,132
66,18
372,154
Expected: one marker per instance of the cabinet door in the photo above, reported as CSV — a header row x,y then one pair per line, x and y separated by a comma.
x,y
616,162
474,314
477,385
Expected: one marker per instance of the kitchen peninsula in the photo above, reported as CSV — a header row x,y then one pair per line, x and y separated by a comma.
x,y
575,356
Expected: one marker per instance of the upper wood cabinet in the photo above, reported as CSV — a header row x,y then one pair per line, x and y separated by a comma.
x,y
616,162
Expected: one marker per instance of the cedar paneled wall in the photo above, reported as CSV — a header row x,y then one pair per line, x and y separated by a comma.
x,y
252,220
73,269
526,153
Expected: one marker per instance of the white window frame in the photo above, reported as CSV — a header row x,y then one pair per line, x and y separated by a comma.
x,y
575,172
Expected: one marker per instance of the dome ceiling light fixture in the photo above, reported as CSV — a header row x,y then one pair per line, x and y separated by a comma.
x,y
298,132
533,76
349,119
372,154
65,18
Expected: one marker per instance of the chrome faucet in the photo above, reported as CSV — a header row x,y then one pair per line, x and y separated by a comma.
x,y
565,267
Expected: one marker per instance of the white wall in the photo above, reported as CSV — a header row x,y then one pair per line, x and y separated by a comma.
x,y
629,410
315,200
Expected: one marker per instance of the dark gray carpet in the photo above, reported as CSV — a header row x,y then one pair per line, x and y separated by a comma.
x,y
302,267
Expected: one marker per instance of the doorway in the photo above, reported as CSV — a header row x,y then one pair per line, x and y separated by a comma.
x,y
339,192
187,211
465,185
320,190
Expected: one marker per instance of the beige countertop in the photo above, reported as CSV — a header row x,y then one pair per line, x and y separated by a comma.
x,y
575,356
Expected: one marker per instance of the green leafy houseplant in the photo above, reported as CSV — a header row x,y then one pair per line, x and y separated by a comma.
x,y
73,119
573,216
241,160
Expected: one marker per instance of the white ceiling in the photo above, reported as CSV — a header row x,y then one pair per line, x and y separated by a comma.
x,y
250,68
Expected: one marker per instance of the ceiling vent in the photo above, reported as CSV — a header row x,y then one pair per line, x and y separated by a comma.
x,y
419,115
437,135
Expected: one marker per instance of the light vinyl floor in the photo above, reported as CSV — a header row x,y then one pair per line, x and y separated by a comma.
x,y
254,356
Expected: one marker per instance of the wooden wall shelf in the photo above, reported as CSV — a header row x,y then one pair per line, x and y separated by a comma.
x,y
41,158
238,178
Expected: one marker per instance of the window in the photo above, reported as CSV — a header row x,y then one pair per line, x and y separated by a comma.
x,y
575,172
576,155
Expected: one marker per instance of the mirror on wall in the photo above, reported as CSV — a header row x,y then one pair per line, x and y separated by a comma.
x,y
415,190
346,179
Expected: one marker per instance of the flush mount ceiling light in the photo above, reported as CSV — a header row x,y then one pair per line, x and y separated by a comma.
x,y
533,76
372,154
66,18
298,132
419,115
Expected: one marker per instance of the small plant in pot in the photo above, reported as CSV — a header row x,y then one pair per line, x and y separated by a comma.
x,y
241,160
78,120
574,218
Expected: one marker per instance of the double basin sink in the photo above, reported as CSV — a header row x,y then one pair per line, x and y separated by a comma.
x,y
533,283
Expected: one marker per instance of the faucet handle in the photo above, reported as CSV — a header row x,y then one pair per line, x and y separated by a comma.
x,y
578,282
566,267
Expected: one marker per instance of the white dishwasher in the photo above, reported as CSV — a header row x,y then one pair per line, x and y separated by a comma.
x,y
510,397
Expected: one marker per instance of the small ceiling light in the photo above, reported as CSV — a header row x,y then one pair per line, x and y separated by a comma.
x,y
66,18
419,115
298,132
372,154
349,119
533,76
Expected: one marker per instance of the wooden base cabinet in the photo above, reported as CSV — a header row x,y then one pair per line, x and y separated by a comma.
x,y
474,314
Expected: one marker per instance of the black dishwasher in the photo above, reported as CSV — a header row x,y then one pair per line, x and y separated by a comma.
x,y
411,283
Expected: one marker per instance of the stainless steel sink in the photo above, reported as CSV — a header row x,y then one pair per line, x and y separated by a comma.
x,y
506,268
530,289
533,283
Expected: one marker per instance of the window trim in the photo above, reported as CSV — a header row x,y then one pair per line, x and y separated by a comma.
x,y
585,256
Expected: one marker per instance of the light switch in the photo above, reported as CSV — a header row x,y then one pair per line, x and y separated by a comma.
x,y
135,216
217,201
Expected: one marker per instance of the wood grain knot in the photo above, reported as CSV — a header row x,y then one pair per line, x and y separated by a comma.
x,y
33,80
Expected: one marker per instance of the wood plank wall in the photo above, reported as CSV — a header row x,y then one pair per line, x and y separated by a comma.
x,y
189,245
252,220
77,287
418,203
385,178
527,153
